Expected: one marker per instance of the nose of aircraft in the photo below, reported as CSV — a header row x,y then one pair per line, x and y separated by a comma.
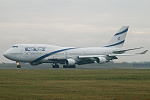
x,y
6,54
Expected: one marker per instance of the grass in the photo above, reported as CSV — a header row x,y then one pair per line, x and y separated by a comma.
x,y
66,84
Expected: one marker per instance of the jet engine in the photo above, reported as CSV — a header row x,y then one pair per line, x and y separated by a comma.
x,y
101,60
70,62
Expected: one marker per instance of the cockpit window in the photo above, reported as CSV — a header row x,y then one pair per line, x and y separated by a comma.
x,y
15,46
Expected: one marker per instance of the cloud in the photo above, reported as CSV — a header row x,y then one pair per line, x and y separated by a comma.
x,y
80,23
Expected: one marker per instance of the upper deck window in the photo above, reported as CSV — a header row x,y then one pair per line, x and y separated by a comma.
x,y
15,46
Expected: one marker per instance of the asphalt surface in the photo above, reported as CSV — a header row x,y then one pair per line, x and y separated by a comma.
x,y
88,66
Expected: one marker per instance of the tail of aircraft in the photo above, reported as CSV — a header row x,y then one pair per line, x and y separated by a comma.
x,y
118,39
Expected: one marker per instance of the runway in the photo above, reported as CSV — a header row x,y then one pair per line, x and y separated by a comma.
x,y
89,67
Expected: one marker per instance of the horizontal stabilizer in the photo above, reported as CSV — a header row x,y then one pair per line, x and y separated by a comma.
x,y
123,51
144,52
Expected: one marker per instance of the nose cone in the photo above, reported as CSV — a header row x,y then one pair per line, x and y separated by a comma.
x,y
6,54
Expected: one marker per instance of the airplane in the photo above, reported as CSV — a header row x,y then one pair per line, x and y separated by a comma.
x,y
70,56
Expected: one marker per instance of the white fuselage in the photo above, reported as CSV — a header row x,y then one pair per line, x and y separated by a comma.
x,y
41,52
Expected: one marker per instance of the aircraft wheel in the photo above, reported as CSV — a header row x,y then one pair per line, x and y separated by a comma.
x,y
55,66
18,66
65,66
73,66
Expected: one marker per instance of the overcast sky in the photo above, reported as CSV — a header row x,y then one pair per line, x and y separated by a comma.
x,y
77,23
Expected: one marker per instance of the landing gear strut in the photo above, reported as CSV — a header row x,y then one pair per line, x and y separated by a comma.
x,y
18,65
55,65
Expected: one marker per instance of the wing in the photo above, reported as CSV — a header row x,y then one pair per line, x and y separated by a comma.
x,y
87,59
94,56
90,56
106,58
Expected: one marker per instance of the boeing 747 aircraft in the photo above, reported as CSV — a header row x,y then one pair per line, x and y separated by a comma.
x,y
70,56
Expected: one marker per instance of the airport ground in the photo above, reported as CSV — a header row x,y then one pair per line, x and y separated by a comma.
x,y
110,65
75,84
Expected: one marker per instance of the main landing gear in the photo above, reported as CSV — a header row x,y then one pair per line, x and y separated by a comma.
x,y
55,65
18,65
65,66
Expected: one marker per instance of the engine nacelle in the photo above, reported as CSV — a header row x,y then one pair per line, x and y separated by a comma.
x,y
70,62
101,60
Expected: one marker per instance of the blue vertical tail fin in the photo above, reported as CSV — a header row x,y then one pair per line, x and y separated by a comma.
x,y
118,39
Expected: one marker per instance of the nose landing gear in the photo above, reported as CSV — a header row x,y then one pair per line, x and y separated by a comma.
x,y
18,65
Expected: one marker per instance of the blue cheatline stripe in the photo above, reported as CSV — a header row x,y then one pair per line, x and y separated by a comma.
x,y
121,32
115,44
51,53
